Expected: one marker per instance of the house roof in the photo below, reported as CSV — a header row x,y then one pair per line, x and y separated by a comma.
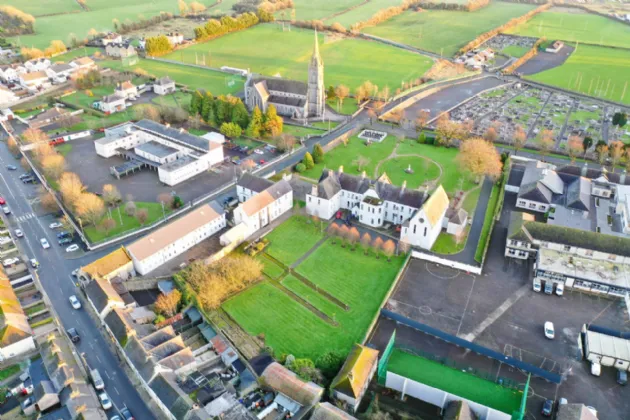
x,y
163,81
14,326
36,75
579,194
114,97
126,85
106,265
283,85
171,395
50,114
287,100
283,380
458,217
266,197
61,67
157,240
356,371
83,61
540,183
327,411
120,325
253,183
574,412
436,205
177,136
101,293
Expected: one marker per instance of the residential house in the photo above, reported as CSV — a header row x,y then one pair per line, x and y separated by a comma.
x,y
120,50
45,396
59,72
112,103
111,38
34,80
6,114
574,412
50,116
426,224
455,221
10,73
175,38
555,47
37,64
103,297
249,185
83,65
164,86
292,389
265,206
16,336
115,264
327,411
171,240
126,90
352,381
7,96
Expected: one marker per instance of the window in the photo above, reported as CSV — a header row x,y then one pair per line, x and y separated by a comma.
x,y
372,221
379,221
310,199
567,248
612,257
425,231
319,201
414,229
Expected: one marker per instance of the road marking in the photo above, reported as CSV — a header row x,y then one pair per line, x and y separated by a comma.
x,y
117,393
99,360
107,375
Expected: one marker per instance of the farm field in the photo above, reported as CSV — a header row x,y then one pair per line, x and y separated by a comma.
x,y
596,71
443,31
194,78
44,7
362,12
576,27
309,10
287,54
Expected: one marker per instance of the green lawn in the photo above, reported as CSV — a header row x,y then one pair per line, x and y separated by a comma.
x,y
34,309
595,71
488,221
270,268
515,51
445,31
298,131
93,122
348,61
293,238
195,78
424,170
252,144
454,381
311,296
178,99
309,9
362,13
44,7
470,202
348,107
447,244
79,52
325,124
572,27
9,371
64,148
128,222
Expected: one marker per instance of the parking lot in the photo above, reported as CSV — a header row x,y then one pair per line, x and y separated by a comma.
x,y
499,310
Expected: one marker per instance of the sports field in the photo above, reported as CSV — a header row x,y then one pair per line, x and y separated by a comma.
x,y
596,71
443,31
454,381
321,9
582,27
44,7
287,54
359,281
361,13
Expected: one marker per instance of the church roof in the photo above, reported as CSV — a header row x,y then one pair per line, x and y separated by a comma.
x,y
356,371
283,85
436,205
287,100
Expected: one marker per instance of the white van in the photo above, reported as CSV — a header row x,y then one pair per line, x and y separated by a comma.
x,y
97,380
537,285
596,369
560,289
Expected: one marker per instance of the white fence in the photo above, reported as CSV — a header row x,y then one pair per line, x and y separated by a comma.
x,y
438,397
443,261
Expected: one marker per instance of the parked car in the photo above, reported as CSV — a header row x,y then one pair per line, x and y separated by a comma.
x,y
72,248
75,272
19,233
26,175
10,261
547,408
44,243
97,380
548,287
622,377
549,330
34,263
29,180
126,413
259,152
55,225
6,210
596,369
74,335
12,167
560,289
63,234
74,301
64,241
105,401
262,161
3,201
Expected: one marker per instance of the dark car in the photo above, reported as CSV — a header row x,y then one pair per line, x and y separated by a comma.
x,y
622,377
64,241
547,408
74,335
126,414
12,167
63,234
28,180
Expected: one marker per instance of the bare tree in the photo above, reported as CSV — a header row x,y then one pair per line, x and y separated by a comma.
x,y
13,146
353,236
285,142
366,240
547,142
34,135
142,215
361,162
422,118
616,151
166,199
108,225
602,153
519,138
47,201
377,246
333,232
389,247
491,135
111,195
130,208
342,92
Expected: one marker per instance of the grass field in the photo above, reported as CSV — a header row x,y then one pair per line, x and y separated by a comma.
x,y
286,245
79,52
348,107
454,381
309,10
444,31
582,27
424,170
44,7
311,296
447,244
487,222
596,71
287,54
194,78
178,99
128,222
298,131
515,51
270,268
362,13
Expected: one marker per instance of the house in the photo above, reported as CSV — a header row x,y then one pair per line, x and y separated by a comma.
x,y
120,325
10,73
455,221
265,206
34,80
83,64
118,50
115,264
171,395
166,243
555,47
103,297
7,96
50,116
164,86
112,103
327,411
37,64
286,383
425,226
111,38
175,38
16,336
45,396
59,72
352,381
574,412
126,90
249,185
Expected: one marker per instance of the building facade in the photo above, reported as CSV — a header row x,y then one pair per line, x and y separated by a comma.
x,y
264,207
111,104
426,224
164,86
352,381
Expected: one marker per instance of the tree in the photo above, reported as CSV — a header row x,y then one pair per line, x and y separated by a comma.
x,y
519,138
574,147
166,304
142,215
195,103
372,115
13,146
25,165
330,93
107,225
273,122
547,142
616,152
300,167
183,7
305,369
196,8
422,118
366,240
619,119
90,208
285,142
602,151
177,202
53,165
166,199
240,115
152,113
377,246
256,123
130,208
47,201
158,45
586,144
403,246
389,247
329,364
42,150
231,130
247,165
480,158
71,188
353,235
491,135
34,135
341,92
361,162
111,195
92,33
308,161
318,153
343,233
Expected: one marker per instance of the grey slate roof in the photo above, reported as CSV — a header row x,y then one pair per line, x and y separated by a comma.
x,y
157,149
254,183
459,217
279,189
171,395
284,85
96,294
61,67
140,358
579,194
112,98
287,100
163,81
532,188
174,134
119,325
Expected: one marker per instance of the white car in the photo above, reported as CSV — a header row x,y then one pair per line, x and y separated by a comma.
x,y
560,289
10,261
19,233
74,301
592,410
105,401
259,152
34,263
55,225
44,243
72,248
549,331
6,210
75,272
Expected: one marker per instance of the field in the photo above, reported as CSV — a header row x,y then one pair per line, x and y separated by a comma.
x,y
308,9
45,7
515,51
442,31
454,381
582,27
359,281
287,54
298,131
194,78
128,222
79,52
596,71
286,246
361,13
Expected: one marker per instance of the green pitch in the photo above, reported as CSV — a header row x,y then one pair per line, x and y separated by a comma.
x,y
321,9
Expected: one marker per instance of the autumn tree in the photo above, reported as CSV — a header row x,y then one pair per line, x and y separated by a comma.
x,y
183,7
377,246
285,142
142,215
615,151
43,150
480,158
111,195
602,152
196,8
107,225
71,188
341,92
25,165
422,119
344,231
47,201
90,208
247,165
491,135
366,240
574,147
13,146
519,138
166,199
353,236
166,304
389,247
256,123
273,122
333,231
34,135
53,165
547,142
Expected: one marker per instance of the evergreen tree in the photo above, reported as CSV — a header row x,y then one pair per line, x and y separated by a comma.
x,y
207,108
318,153
195,103
240,115
223,110
330,95
308,161
255,127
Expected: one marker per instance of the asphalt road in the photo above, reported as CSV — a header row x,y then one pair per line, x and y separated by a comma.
x,y
55,276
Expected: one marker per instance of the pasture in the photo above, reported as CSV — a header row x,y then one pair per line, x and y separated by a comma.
x,y
576,27
322,9
287,54
45,7
443,31
596,71
361,13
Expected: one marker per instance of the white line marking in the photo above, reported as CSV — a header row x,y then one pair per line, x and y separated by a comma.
x,y
117,393
107,375
99,360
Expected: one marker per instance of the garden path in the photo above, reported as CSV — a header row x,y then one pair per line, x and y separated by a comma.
x,y
394,155
308,253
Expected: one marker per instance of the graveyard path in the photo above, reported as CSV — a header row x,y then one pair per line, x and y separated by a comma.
x,y
564,126
542,108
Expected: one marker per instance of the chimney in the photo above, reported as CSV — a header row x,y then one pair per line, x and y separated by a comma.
x,y
584,169
363,175
314,190
330,172
622,178
340,169
402,189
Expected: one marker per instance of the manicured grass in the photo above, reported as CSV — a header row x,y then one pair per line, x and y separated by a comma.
x,y
311,296
128,222
298,131
93,122
178,99
64,149
444,31
348,61
83,100
596,71
454,381
270,268
515,51
252,144
40,323
424,170
488,221
293,238
9,371
309,10
193,77
79,52
470,202
34,309
44,7
197,131
447,244
348,107
325,124
573,27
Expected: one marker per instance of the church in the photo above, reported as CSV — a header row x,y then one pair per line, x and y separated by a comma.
x,y
291,98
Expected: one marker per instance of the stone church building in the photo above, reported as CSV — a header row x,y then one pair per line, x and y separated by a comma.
x,y
291,98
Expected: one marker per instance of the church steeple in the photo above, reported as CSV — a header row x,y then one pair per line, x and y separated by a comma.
x,y
316,59
316,94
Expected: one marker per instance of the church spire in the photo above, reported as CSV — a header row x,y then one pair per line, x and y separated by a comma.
x,y
316,57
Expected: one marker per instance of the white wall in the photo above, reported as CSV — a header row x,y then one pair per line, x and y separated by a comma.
x,y
323,208
443,261
163,90
420,233
15,349
174,177
532,205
